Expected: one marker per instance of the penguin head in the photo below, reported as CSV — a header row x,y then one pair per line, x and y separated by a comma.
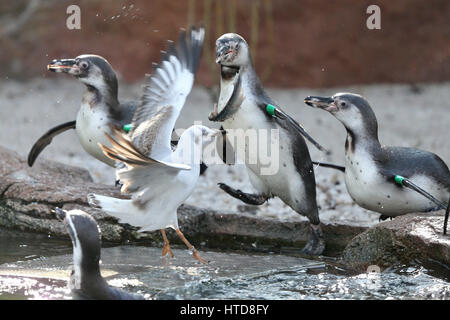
x,y
85,235
351,109
93,70
232,50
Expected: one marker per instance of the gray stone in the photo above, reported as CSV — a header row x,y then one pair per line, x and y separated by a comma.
x,y
416,236
28,195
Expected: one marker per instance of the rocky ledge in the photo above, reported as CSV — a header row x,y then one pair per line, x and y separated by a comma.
x,y
28,195
415,236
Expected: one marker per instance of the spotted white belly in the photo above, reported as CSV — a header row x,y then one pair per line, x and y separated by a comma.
x,y
372,191
272,171
91,125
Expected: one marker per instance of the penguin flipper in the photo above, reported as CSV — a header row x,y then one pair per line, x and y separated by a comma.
x,y
329,165
253,199
283,116
225,149
46,139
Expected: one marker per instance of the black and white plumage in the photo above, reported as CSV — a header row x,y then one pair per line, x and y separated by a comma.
x,y
370,168
86,281
242,105
158,178
100,108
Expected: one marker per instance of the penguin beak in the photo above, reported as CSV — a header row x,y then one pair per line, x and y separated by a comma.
x,y
60,214
63,65
325,103
223,52
220,53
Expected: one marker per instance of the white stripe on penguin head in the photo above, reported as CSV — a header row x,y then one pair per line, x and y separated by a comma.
x,y
75,279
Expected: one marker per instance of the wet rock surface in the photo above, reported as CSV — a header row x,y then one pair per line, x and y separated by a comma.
x,y
37,266
416,236
28,195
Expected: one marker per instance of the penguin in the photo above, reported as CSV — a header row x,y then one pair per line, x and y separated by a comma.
x,y
158,178
100,107
86,282
376,175
244,105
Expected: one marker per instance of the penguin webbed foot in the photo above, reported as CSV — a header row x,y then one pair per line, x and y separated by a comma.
x,y
383,217
253,199
316,244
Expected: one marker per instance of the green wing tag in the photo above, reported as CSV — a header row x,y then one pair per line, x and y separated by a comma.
x,y
270,109
399,180
127,128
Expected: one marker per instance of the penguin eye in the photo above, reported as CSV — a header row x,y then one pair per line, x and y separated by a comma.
x,y
343,104
84,65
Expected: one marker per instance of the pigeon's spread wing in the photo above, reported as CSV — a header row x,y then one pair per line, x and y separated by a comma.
x,y
140,171
165,94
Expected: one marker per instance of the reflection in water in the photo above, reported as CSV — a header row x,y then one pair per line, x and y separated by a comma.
x,y
14,287
301,284
37,267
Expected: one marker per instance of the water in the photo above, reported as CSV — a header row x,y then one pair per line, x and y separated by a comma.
x,y
306,285
37,267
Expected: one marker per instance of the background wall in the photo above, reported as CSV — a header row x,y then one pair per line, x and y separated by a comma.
x,y
298,43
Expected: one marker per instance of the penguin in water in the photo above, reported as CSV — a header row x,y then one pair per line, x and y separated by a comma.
x,y
86,282
380,178
244,105
100,108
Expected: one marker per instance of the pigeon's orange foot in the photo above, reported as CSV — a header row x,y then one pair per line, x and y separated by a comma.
x,y
197,256
167,250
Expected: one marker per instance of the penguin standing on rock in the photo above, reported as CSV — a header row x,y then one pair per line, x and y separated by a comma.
x,y
86,282
244,105
390,180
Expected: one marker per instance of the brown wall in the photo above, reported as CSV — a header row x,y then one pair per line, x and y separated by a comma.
x,y
316,43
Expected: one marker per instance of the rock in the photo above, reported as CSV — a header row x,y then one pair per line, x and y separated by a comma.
x,y
28,195
415,236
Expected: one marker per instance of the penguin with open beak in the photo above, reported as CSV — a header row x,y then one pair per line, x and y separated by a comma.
x,y
244,106
390,180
